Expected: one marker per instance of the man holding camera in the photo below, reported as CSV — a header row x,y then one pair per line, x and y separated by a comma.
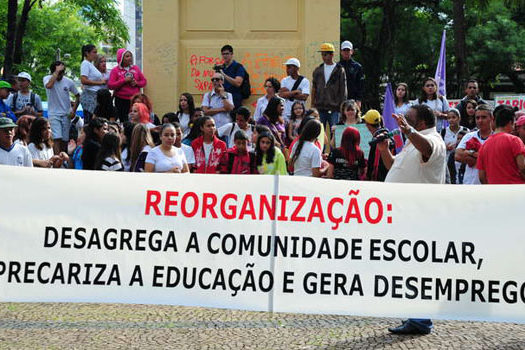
x,y
233,73
58,88
218,103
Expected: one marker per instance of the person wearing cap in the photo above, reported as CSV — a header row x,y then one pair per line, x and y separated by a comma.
x,y
501,159
25,101
355,78
59,110
12,153
376,170
5,111
519,127
294,87
328,86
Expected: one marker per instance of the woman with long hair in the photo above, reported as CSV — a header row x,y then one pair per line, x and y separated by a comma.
x,y
104,108
92,80
166,158
140,114
41,145
349,114
436,102
23,129
95,131
108,157
208,149
140,144
298,112
185,112
470,109
347,162
401,102
306,157
273,119
269,159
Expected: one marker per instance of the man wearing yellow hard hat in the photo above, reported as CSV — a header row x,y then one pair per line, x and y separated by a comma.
x,y
328,86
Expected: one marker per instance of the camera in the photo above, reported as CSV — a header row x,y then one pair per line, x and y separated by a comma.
x,y
217,68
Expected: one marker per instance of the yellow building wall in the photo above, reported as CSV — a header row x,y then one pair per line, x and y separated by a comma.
x,y
182,41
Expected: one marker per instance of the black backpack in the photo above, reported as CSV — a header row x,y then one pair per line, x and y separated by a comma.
x,y
246,89
32,99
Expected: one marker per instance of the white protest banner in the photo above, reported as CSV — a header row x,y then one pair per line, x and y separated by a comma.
x,y
511,100
366,136
339,247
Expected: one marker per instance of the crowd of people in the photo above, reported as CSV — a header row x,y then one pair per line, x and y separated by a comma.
x,y
120,131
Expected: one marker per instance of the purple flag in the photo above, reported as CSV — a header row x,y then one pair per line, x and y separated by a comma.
x,y
389,121
441,73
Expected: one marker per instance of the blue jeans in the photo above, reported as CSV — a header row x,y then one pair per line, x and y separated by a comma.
x,y
331,117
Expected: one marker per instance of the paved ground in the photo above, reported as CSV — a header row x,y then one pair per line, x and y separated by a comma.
x,y
114,326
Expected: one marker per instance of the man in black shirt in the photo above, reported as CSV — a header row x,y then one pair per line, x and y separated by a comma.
x,y
355,78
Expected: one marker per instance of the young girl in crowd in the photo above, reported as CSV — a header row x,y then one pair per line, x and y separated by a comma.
x,y
401,103
347,162
108,157
349,115
297,115
143,98
273,119
23,129
269,159
195,131
95,131
306,156
185,112
41,145
76,151
436,102
105,107
125,80
140,143
470,109
166,158
140,114
208,149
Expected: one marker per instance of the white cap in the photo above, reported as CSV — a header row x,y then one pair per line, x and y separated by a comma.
x,y
293,62
346,45
24,75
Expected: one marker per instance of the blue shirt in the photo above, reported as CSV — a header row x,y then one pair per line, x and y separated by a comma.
x,y
234,70
5,111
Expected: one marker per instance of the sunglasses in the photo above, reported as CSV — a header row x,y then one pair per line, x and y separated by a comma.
x,y
216,79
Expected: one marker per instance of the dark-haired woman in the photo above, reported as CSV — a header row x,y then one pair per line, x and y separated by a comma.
x,y
306,157
95,131
41,145
347,162
401,102
208,149
273,119
92,80
104,108
436,102
269,159
185,112
271,86
108,157
166,158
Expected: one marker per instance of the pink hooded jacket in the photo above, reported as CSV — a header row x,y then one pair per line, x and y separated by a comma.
x,y
117,77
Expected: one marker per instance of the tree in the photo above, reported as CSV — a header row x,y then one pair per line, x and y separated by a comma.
x,y
102,15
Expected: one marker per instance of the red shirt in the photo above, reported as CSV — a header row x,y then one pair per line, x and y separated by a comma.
x,y
497,157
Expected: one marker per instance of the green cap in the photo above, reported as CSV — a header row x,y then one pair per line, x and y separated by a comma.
x,y
6,123
4,84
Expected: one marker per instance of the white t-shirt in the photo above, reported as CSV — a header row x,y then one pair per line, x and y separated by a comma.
x,y
17,155
262,103
23,100
163,163
409,167
451,137
40,154
58,100
288,83
471,176
328,69
88,70
227,130
184,120
403,109
188,152
208,147
310,157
